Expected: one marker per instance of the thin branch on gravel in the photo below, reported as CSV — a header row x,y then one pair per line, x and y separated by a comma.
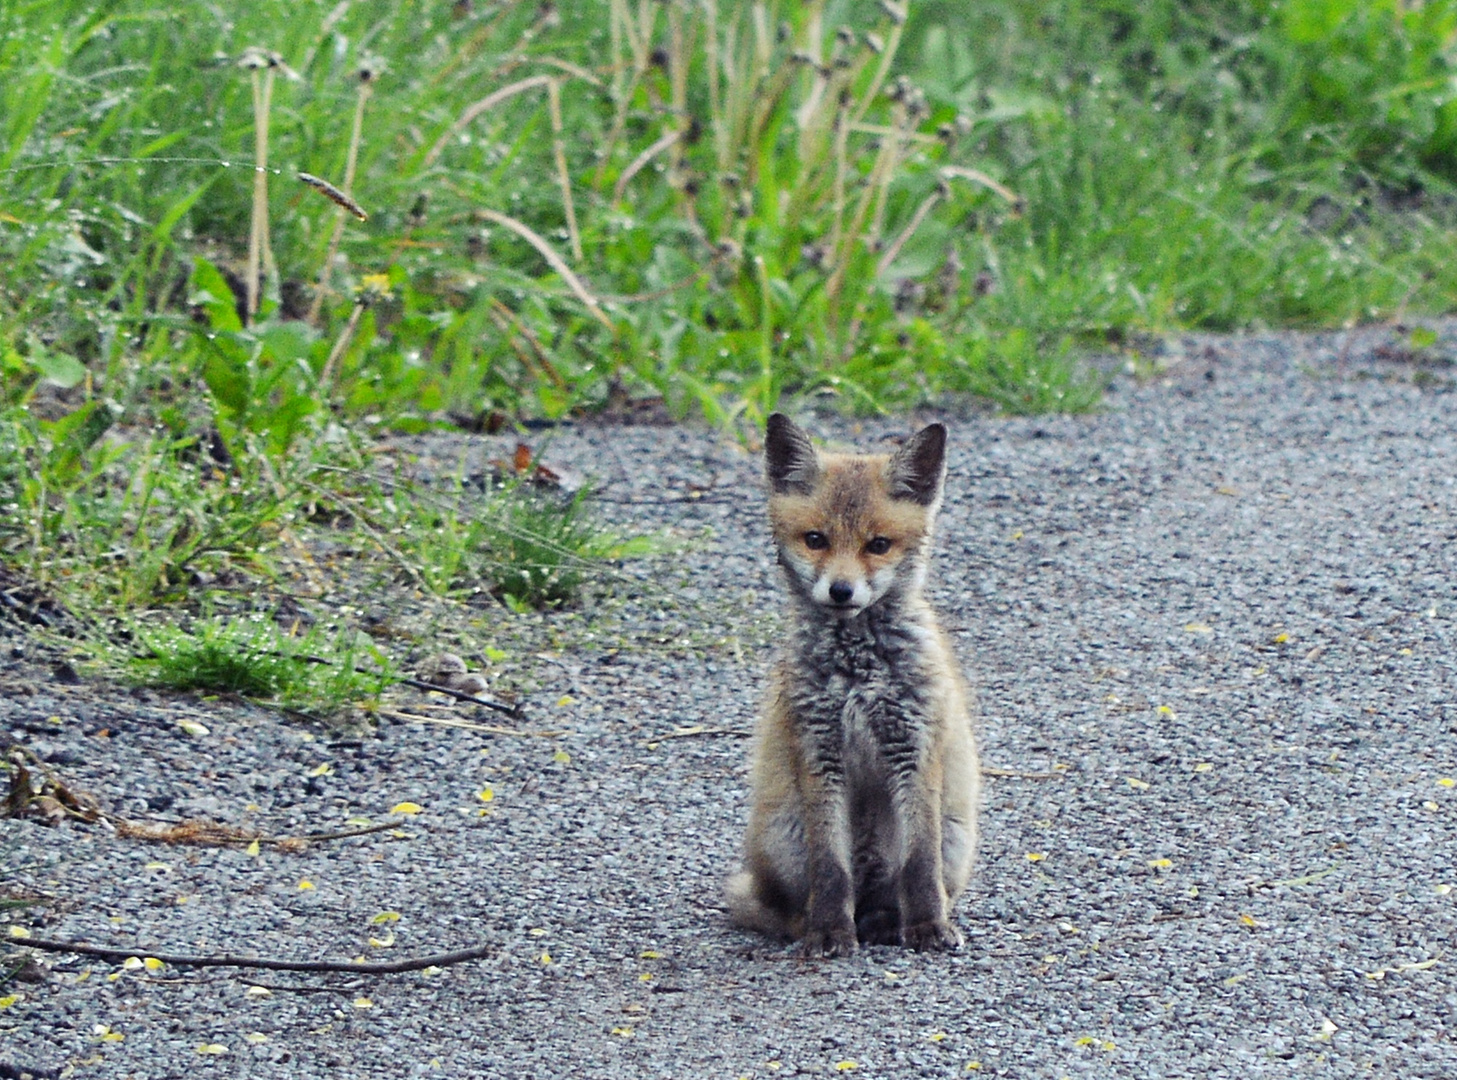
x,y
1015,774
468,725
213,834
513,711
56,800
700,729
477,952
348,988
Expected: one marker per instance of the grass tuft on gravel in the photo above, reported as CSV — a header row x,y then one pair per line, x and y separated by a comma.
x,y
258,660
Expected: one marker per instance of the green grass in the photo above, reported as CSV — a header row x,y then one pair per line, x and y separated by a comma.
x,y
324,674
735,204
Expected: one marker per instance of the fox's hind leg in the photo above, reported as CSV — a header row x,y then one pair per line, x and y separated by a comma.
x,y
877,904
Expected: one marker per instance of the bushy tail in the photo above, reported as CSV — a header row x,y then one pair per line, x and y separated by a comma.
x,y
748,911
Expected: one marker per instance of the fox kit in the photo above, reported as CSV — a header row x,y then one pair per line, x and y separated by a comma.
x,y
865,777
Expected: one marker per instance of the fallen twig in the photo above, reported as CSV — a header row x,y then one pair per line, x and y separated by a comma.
x,y
701,729
214,834
468,725
513,711
1016,774
106,952
342,989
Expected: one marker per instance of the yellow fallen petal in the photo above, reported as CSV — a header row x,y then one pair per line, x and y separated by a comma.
x,y
1248,920
19,931
1135,783
537,931
10,999
1203,766
151,963
386,916
257,992
255,1037
561,757
565,700
486,794
1161,864
131,963
363,1003
624,1032
936,1036
212,1048
544,958
407,808
1447,781
306,884
252,850
1198,628
973,1066
846,1066
1036,856
321,770
192,727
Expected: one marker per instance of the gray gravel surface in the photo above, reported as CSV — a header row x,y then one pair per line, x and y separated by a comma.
x,y
1211,630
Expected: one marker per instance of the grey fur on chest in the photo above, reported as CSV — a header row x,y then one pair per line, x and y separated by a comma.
x,y
861,690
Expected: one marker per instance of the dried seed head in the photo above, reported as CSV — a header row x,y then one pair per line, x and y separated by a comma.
x,y
729,250
875,42
255,59
845,35
370,68
908,295
897,12
813,255
334,195
948,278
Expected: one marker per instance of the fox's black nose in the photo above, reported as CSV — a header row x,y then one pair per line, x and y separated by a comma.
x,y
841,591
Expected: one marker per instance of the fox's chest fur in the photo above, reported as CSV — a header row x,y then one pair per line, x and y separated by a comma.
x,y
860,691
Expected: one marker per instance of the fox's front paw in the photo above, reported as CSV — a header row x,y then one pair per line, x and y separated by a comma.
x,y
932,936
829,941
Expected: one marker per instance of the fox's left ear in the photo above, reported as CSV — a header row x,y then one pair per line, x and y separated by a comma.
x,y
919,467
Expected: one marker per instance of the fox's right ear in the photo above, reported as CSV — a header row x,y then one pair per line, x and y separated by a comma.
x,y
789,458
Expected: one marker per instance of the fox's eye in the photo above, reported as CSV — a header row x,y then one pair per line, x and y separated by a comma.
x,y
816,541
879,545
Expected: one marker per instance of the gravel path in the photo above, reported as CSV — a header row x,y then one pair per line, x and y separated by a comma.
x,y
1212,633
